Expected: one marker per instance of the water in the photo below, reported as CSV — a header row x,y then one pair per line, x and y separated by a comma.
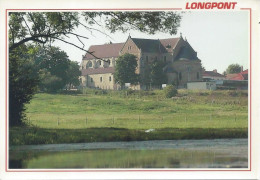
x,y
218,153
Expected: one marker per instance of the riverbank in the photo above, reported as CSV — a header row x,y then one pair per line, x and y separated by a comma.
x,y
32,135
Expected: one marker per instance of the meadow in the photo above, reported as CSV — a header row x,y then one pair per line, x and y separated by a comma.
x,y
99,115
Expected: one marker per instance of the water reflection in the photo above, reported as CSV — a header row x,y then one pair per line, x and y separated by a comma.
x,y
215,156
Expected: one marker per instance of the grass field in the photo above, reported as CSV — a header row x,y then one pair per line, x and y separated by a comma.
x,y
133,112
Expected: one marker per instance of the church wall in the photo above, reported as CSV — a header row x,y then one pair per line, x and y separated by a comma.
x,y
187,71
102,81
131,48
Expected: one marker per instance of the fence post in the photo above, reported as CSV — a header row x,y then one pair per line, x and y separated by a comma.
x,y
86,122
58,121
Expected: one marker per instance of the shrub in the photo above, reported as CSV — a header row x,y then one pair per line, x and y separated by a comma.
x,y
170,91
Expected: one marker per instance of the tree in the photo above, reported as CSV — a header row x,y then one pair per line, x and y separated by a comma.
x,y
125,69
46,27
73,74
43,28
158,77
54,64
56,70
23,81
233,68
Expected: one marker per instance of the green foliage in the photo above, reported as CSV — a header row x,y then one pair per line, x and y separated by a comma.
x,y
158,77
125,70
56,70
170,91
233,68
44,27
73,74
23,80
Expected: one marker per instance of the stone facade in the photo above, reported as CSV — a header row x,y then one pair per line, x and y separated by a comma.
x,y
181,62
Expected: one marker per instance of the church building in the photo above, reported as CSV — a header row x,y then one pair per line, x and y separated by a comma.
x,y
181,63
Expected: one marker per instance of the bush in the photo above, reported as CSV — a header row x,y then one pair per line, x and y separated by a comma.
x,y
170,91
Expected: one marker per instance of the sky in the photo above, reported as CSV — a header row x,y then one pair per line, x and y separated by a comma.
x,y
220,38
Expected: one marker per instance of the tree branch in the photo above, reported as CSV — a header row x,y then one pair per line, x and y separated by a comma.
x,y
27,26
92,53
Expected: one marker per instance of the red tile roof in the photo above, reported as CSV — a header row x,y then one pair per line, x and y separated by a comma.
x,y
171,42
239,76
100,70
104,51
212,73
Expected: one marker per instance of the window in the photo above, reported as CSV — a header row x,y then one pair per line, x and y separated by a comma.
x,y
89,64
100,79
198,75
110,79
109,62
180,76
91,79
99,62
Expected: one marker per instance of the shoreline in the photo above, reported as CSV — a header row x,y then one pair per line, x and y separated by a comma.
x,y
37,136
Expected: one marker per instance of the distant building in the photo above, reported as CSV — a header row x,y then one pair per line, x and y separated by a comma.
x,y
238,76
202,85
212,75
181,63
235,81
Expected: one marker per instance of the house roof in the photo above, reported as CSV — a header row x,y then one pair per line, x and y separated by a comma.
x,y
104,51
170,43
212,74
100,70
239,76
149,45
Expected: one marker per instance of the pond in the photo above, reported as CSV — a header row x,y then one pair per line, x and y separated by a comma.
x,y
217,153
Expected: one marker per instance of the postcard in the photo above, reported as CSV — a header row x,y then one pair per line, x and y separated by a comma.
x,y
129,90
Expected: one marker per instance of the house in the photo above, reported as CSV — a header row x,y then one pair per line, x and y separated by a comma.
x,y
181,63
212,75
236,81
243,75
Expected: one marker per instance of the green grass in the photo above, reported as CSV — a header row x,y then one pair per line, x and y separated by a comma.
x,y
132,112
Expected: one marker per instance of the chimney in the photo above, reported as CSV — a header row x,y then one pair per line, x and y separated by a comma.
x,y
242,68
215,71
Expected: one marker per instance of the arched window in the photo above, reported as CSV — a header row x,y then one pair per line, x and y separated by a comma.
x,y
89,64
98,63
